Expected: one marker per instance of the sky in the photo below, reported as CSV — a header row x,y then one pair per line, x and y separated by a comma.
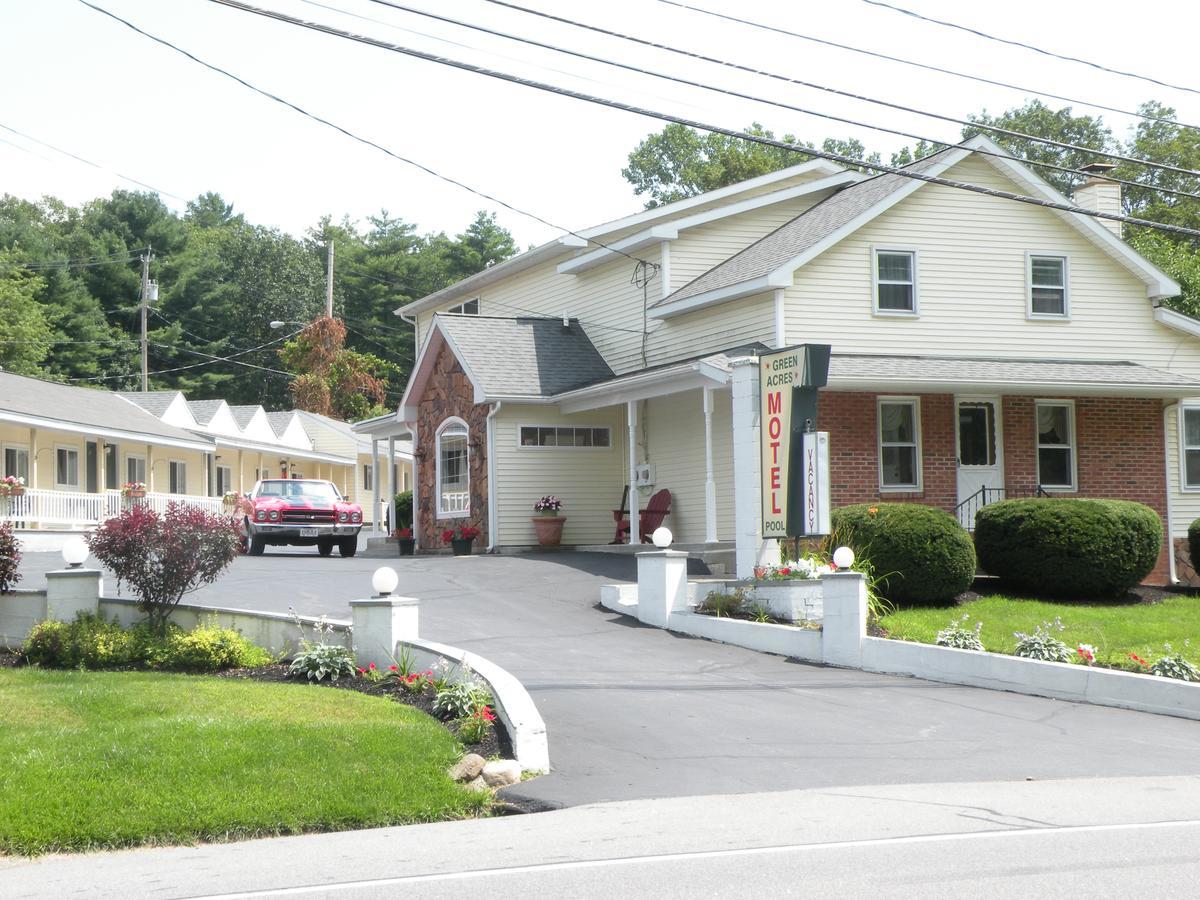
x,y
79,81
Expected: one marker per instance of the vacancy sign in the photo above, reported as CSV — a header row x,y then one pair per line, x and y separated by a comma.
x,y
816,482
778,374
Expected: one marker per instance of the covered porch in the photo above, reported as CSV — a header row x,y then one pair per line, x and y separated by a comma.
x,y
385,431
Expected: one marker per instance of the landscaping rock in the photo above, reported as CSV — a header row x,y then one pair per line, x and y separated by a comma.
x,y
468,767
478,784
500,772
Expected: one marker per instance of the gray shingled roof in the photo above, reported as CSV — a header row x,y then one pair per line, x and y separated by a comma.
x,y
204,410
104,411
243,414
280,421
156,402
792,238
525,356
967,370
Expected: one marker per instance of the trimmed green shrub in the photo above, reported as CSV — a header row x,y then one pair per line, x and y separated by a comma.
x,y
1194,544
919,553
92,642
1069,547
404,510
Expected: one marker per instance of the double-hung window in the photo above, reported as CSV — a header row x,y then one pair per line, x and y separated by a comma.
x,y
16,463
368,480
66,467
1190,456
895,277
899,444
1056,444
178,477
1046,279
224,480
135,469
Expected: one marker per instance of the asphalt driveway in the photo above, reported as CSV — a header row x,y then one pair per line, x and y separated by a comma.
x,y
636,712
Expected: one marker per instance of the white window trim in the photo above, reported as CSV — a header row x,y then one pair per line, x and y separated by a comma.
x,y
366,477
437,475
183,465
59,485
1182,439
915,312
141,457
1030,255
522,425
1074,445
28,459
458,308
920,465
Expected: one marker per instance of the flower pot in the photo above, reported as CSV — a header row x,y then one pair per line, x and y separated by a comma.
x,y
407,546
16,491
549,529
462,546
136,495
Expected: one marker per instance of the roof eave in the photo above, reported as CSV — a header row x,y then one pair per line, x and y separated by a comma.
x,y
120,434
1012,388
641,386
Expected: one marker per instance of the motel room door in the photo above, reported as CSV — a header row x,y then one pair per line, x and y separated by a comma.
x,y
980,455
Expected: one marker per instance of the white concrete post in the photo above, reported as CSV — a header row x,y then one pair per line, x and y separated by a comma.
x,y
379,622
710,484
845,618
391,499
635,519
751,549
662,586
70,592
375,485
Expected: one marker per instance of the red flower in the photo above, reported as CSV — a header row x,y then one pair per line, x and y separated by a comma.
x,y
785,571
1137,659
485,713
372,667
362,671
393,668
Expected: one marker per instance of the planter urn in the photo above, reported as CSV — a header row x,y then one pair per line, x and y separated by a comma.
x,y
462,546
407,546
549,529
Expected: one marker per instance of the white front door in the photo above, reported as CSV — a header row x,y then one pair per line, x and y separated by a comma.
x,y
980,455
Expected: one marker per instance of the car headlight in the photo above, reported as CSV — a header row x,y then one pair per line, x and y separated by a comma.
x,y
343,517
274,515
260,515
356,517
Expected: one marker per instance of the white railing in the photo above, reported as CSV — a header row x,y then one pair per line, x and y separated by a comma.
x,y
456,502
79,509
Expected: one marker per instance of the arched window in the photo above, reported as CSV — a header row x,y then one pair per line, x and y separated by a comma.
x,y
453,470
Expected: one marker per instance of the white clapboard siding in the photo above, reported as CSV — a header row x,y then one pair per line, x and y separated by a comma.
x,y
971,285
588,480
713,330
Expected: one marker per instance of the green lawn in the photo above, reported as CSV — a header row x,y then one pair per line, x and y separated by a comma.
x,y
111,759
1114,629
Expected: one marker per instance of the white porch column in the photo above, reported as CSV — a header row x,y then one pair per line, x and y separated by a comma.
x,y
752,550
150,468
101,465
391,499
375,484
710,484
635,521
33,458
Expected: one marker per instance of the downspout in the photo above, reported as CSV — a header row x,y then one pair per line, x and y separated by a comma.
x,y
1167,484
491,468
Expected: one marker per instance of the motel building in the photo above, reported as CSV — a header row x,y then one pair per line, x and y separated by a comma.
x,y
982,348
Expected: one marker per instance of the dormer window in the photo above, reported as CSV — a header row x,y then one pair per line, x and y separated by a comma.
x,y
1046,281
895,277
467,308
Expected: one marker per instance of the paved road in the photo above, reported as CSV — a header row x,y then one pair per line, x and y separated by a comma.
x,y
1096,838
636,712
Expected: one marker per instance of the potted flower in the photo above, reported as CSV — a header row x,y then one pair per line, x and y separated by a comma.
x,y
404,541
460,538
230,500
133,489
12,486
548,524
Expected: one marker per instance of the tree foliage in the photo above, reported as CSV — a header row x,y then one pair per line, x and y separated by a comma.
x,y
332,380
25,333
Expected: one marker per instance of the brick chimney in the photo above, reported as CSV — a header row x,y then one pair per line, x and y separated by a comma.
x,y
1100,194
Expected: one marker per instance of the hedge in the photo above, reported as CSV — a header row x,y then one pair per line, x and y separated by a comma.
x,y
1069,547
920,553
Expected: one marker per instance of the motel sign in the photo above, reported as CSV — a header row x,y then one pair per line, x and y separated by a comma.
x,y
795,457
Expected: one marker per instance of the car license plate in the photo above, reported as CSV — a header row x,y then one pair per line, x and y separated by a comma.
x,y
308,532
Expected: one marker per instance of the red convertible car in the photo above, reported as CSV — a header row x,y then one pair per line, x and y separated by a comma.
x,y
300,512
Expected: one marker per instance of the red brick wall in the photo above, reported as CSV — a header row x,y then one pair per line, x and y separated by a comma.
x,y
851,420
1119,445
450,393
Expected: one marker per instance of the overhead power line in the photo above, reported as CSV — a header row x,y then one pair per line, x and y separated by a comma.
x,y
350,134
212,360
991,37
88,162
808,84
979,79
839,158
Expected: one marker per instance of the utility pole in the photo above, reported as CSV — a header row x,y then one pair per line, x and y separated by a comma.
x,y
145,314
329,279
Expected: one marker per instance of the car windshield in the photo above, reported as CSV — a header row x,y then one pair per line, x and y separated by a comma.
x,y
290,490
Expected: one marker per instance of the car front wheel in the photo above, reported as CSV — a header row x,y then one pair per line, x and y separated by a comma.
x,y
257,545
348,546
325,548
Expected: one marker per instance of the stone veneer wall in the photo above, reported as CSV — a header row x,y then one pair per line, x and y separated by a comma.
x,y
450,393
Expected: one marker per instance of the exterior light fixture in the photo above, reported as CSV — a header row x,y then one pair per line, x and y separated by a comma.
x,y
843,558
75,552
662,537
384,581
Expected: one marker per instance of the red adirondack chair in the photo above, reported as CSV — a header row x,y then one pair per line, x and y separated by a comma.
x,y
650,518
